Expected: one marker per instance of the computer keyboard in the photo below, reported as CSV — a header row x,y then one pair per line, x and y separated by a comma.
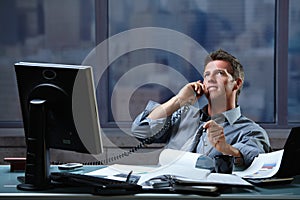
x,y
98,185
86,180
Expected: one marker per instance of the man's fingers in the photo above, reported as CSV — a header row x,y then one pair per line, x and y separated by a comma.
x,y
210,124
198,87
195,86
215,132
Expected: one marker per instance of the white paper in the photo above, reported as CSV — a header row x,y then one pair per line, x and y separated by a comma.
x,y
117,169
182,164
265,165
175,170
176,157
113,170
171,162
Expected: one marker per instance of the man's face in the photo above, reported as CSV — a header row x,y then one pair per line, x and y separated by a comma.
x,y
219,83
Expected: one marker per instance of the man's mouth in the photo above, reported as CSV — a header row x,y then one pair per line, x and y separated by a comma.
x,y
210,88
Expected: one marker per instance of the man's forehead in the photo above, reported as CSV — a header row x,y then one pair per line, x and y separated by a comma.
x,y
218,65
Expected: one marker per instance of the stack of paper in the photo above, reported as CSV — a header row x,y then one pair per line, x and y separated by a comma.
x,y
178,164
266,165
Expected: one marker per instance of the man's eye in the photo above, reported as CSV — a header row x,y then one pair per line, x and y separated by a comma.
x,y
221,72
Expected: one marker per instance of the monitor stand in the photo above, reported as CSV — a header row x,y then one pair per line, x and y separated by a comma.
x,y
37,167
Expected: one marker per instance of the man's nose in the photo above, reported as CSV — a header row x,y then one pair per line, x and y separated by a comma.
x,y
210,78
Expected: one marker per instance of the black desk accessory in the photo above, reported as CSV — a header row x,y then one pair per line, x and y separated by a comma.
x,y
59,111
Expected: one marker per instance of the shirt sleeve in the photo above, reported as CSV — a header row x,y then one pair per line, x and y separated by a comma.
x,y
252,144
143,127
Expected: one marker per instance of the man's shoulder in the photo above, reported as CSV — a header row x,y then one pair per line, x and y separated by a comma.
x,y
247,122
243,118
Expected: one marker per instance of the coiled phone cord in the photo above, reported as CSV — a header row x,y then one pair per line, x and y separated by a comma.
x,y
144,142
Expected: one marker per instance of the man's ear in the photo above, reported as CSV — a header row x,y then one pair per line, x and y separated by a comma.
x,y
238,84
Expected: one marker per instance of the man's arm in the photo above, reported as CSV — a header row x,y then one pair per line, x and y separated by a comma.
x,y
157,117
187,95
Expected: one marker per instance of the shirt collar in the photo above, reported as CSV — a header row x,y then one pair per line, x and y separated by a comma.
x,y
230,115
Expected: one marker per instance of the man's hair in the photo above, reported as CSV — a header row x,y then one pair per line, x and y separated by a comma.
x,y
237,68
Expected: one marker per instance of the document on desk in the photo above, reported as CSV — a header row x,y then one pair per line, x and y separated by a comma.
x,y
265,165
215,179
179,164
171,162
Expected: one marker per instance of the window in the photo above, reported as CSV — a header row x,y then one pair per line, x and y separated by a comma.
x,y
294,61
59,31
66,31
244,28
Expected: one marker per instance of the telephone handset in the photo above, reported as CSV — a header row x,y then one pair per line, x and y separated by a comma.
x,y
173,120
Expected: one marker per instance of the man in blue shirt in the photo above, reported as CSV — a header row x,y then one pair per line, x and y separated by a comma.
x,y
218,128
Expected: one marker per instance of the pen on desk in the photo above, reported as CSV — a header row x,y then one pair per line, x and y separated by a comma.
x,y
128,176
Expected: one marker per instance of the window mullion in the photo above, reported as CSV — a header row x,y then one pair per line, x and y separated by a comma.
x,y
281,62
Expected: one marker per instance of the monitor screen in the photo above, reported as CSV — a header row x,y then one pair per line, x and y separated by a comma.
x,y
59,110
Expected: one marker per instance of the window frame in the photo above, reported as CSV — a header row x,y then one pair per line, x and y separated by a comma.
x,y
281,60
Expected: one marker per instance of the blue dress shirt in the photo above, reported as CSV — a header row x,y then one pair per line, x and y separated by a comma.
x,y
179,131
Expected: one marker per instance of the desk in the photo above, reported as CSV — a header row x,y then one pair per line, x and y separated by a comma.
x,y
8,190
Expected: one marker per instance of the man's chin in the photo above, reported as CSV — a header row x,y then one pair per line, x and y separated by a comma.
x,y
216,97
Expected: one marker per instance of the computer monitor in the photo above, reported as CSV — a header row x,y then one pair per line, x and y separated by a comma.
x,y
59,110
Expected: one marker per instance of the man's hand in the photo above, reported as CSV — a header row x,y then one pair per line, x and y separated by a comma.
x,y
190,93
187,95
216,137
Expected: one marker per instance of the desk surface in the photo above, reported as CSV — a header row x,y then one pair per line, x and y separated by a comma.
x,y
8,190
